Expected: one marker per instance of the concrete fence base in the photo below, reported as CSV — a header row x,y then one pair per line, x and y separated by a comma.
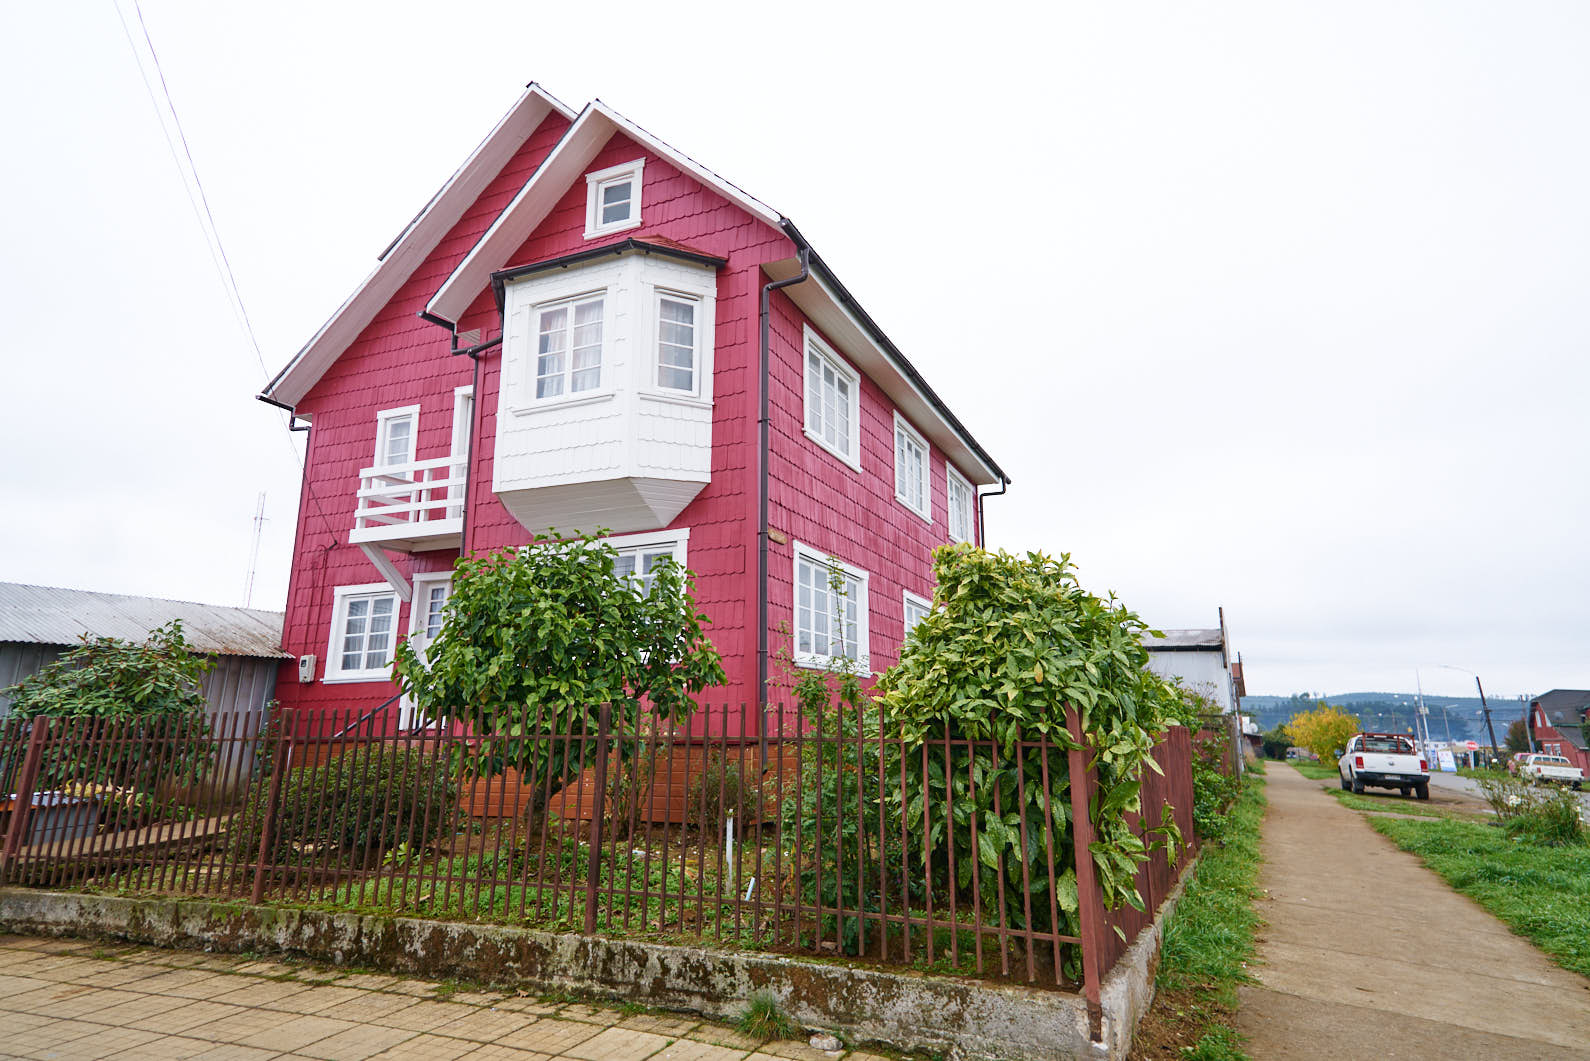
x,y
963,1018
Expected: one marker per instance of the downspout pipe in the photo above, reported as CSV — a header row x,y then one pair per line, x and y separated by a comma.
x,y
763,369
474,354
982,526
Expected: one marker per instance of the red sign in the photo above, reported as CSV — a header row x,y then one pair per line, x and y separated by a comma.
x,y
1471,745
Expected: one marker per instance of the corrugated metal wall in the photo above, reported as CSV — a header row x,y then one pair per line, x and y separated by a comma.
x,y
234,684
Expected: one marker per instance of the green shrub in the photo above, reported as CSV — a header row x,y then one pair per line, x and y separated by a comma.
x,y
363,802
720,788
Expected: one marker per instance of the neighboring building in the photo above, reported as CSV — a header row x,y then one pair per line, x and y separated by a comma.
x,y
40,623
606,291
1558,721
1202,660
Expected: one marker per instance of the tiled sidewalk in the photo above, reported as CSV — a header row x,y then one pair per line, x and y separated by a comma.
x,y
80,1000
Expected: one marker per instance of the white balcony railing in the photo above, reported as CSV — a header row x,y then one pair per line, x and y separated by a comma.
x,y
416,502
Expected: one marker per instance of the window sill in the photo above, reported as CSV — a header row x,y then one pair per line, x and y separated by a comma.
x,y
356,678
671,398
853,465
547,405
861,667
925,517
608,230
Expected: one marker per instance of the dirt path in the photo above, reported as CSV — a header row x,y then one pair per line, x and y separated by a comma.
x,y
1369,954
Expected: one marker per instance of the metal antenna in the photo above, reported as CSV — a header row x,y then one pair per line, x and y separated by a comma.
x,y
253,560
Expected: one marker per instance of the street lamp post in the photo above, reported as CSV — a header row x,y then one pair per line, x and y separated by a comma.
x,y
1484,707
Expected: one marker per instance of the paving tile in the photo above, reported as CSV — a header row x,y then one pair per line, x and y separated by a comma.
x,y
370,981
423,1015
234,1052
399,986
478,998
529,1004
263,968
317,999
42,999
590,1014
425,1047
618,1044
498,1052
179,1018
722,1035
242,1023
104,1043
693,1050
370,1007
22,1022
660,1024
284,1033
51,1037
166,1048
547,1036
188,983
249,992
113,974
486,1025
797,1050
357,1043
139,1007
90,1001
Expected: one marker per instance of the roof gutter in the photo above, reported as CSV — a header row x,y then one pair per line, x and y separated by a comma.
x,y
292,413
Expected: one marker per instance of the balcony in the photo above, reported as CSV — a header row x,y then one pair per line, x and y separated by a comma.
x,y
411,507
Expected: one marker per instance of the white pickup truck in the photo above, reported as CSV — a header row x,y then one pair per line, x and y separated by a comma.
x,y
1551,768
1384,760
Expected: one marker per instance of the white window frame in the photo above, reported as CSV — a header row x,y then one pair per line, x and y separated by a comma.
x,y
658,296
463,420
419,614
678,539
910,600
604,366
383,424
340,597
863,661
814,344
902,426
602,178
953,478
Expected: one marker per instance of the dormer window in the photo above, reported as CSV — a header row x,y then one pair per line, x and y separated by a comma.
x,y
612,199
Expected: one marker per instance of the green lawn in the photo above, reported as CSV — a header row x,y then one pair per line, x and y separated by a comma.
x,y
1388,804
1315,771
1542,893
1209,937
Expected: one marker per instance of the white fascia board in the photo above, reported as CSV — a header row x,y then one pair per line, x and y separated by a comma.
x,y
822,306
566,164
414,245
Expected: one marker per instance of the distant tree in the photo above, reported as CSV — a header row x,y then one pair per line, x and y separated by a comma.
x,y
1322,730
1517,737
1275,743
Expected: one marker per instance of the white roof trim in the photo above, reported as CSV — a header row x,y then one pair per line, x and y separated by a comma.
x,y
414,245
567,162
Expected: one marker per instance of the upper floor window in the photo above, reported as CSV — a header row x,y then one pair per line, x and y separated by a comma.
x,y
394,435
912,487
916,609
612,199
959,495
363,623
569,347
676,342
830,612
833,402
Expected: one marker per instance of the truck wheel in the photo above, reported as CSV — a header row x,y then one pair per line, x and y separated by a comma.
x,y
1358,786
1343,780
1424,790
1406,791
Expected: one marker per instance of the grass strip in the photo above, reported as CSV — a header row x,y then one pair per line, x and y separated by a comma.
x,y
1316,771
1541,893
1208,943
1388,804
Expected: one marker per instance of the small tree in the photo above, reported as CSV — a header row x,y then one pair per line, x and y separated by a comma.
x,y
535,641
1275,742
1322,730
1517,737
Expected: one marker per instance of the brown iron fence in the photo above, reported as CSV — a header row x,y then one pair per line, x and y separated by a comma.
x,y
833,834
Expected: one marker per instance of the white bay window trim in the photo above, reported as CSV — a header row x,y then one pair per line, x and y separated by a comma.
x,y
364,623
817,641
916,609
913,471
612,198
961,503
677,343
831,394
570,338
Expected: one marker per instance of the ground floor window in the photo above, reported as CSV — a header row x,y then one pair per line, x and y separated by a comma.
x,y
363,629
831,625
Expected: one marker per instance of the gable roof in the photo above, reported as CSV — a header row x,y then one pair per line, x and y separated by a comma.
x,y
1564,707
49,615
413,245
824,299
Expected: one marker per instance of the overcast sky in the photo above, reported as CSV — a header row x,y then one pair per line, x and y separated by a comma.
x,y
1279,307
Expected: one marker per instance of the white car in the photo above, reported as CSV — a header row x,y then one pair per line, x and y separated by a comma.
x,y
1384,760
1551,768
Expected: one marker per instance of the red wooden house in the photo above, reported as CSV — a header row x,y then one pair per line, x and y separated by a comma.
x,y
1558,720
585,328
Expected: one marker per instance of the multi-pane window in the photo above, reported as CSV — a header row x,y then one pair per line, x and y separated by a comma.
x,y
569,347
830,612
911,485
676,343
435,603
364,624
832,402
916,609
394,435
639,565
959,495
612,200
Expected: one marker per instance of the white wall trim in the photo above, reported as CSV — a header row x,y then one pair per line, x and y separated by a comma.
x,y
339,612
810,341
679,536
863,663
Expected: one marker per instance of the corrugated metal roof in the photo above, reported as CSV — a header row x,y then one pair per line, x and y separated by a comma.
x,y
1185,639
46,615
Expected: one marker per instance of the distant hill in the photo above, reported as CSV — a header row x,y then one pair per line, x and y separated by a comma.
x,y
1394,712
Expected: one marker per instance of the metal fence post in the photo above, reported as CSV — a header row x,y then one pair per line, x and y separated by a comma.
x,y
1090,902
22,805
593,862
279,766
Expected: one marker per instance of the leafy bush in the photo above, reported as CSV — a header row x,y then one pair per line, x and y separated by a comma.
x,y
722,787
1534,811
535,641
363,802
1322,730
